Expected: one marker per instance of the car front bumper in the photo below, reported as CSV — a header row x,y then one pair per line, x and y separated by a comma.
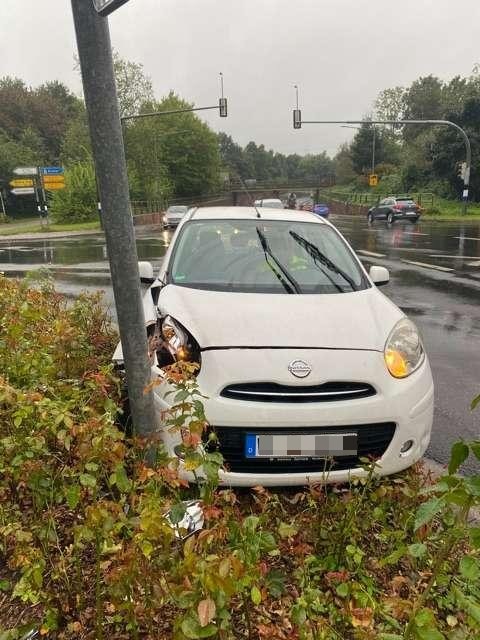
x,y
408,403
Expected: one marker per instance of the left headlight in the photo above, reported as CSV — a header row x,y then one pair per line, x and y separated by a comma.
x,y
181,345
403,351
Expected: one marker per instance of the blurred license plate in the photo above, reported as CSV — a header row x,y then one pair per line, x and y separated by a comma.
x,y
319,445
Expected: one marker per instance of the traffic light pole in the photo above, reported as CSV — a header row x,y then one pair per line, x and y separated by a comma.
x,y
95,55
297,123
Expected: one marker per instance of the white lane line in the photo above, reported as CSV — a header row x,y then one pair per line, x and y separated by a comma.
x,y
414,233
473,264
428,266
439,255
364,252
465,238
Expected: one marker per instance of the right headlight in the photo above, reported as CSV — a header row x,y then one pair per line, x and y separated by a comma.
x,y
403,351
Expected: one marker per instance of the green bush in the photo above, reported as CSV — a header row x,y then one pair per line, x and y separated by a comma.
x,y
77,202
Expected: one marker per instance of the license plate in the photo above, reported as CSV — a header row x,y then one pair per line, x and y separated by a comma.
x,y
318,445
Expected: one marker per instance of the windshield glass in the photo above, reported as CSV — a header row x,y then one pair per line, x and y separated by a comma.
x,y
264,256
178,209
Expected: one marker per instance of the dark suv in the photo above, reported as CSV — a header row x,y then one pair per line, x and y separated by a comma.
x,y
391,209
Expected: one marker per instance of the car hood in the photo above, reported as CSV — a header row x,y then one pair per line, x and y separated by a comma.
x,y
358,320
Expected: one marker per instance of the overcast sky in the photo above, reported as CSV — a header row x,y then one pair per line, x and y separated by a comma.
x,y
341,53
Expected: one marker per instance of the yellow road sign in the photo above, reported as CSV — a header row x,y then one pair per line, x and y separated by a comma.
x,y
53,179
54,186
373,180
21,182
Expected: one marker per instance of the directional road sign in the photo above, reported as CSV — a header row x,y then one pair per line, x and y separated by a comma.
x,y
53,179
25,171
373,180
105,7
23,191
53,186
51,171
21,182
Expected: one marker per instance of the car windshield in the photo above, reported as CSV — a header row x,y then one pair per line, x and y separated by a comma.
x,y
271,204
405,201
264,256
177,209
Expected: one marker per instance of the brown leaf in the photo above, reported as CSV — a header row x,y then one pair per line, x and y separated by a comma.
x,y
206,611
362,617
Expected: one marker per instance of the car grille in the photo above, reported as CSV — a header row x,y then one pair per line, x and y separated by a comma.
x,y
373,441
273,392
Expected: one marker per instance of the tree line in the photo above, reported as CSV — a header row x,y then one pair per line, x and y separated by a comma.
x,y
414,157
176,156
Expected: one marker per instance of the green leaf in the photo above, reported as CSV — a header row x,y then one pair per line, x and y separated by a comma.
x,y
342,590
255,595
87,480
191,629
251,523
427,511
471,607
475,448
417,550
475,402
72,496
469,568
5,585
458,455
390,636
429,633
475,537
177,512
287,530
275,583
121,479
472,484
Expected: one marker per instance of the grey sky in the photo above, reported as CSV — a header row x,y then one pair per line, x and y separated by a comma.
x,y
340,52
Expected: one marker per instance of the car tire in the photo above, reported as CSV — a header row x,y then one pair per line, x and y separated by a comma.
x,y
390,218
370,218
414,220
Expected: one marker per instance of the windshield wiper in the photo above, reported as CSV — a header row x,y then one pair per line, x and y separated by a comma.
x,y
318,256
288,281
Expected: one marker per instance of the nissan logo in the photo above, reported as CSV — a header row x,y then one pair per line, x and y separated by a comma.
x,y
299,368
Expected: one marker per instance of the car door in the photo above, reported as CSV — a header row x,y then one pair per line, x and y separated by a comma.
x,y
381,209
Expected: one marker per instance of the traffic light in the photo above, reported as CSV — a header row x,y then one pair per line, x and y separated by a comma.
x,y
297,119
462,170
222,105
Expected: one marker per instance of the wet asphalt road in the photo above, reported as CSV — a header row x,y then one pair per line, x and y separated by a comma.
x,y
442,295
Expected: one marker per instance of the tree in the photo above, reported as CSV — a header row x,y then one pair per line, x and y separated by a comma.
x,y
76,145
234,158
344,171
390,104
423,101
362,148
134,88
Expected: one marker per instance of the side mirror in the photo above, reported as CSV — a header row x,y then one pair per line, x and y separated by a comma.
x,y
379,275
146,272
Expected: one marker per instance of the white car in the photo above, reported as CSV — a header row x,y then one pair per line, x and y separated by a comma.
x,y
174,214
270,203
305,364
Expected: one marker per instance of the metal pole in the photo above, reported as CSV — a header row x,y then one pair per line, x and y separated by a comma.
x,y
166,113
373,150
468,149
95,55
4,213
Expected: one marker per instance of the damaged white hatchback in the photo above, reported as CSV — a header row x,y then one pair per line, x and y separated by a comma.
x,y
305,364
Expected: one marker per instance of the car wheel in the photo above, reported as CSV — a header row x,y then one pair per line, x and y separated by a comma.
x,y
390,218
414,220
370,218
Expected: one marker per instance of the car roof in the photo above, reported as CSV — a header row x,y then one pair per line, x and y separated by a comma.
x,y
247,213
268,200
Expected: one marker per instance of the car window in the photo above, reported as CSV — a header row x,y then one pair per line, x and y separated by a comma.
x,y
384,201
264,256
177,209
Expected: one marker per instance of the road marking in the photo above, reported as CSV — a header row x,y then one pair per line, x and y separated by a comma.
x,y
473,264
364,252
464,238
454,257
428,266
415,233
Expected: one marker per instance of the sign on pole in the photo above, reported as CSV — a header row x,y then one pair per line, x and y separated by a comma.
x,y
54,179
105,7
373,180
23,191
21,182
53,186
25,171
51,171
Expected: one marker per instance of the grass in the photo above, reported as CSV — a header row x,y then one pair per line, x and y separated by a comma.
x,y
32,225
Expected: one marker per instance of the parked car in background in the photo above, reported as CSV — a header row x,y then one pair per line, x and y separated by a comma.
x,y
270,203
174,214
304,366
322,210
391,209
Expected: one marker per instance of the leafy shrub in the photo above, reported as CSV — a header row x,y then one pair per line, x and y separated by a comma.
x,y
86,549
77,202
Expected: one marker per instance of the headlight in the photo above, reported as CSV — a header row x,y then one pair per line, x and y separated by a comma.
x,y
181,345
404,350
